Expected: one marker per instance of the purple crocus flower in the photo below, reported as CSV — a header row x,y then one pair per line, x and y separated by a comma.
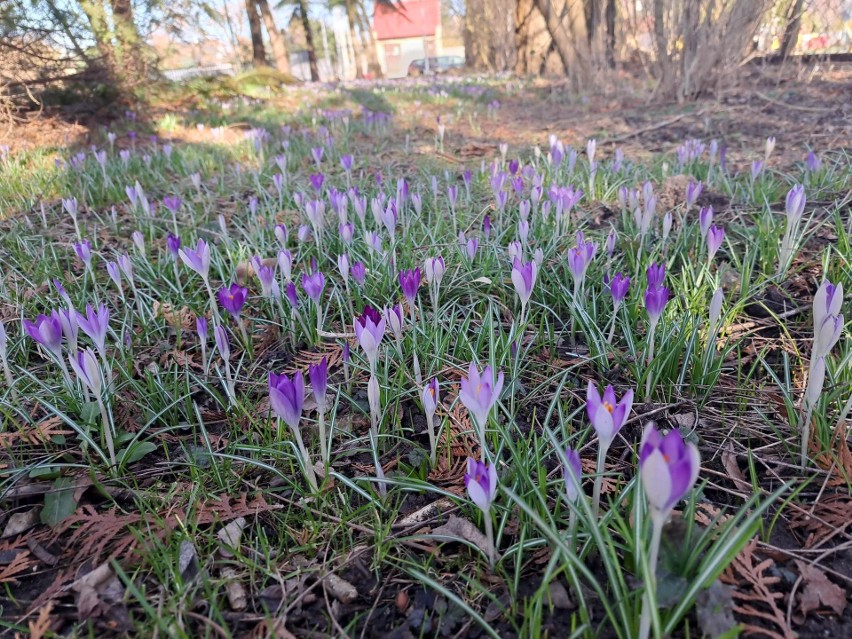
x,y
471,247
756,169
343,267
409,281
605,413
523,277
316,181
47,331
430,397
197,259
313,284
693,192
318,374
285,263
220,335
656,273
618,286
95,325
84,251
317,152
62,292
572,473
705,219
655,301
795,203
393,317
281,234
481,483
292,296
369,329
286,396
346,232
346,162
266,275
85,366
813,162
610,243
233,298
172,203
479,393
114,273
173,245
486,226
201,329
668,468
715,237
359,273
435,269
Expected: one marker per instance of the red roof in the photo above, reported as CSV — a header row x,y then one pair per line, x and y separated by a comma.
x,y
407,19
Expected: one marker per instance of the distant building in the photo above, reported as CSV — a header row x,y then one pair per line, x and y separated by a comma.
x,y
410,30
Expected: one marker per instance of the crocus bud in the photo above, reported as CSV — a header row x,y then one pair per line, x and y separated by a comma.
x,y
795,203
716,307
318,374
667,225
572,473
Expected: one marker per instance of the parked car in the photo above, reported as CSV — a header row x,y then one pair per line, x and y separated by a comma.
x,y
438,64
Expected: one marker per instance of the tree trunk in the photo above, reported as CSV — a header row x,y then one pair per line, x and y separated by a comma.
x,y
351,16
276,38
258,51
127,40
96,15
532,40
309,40
372,45
791,31
610,33
570,47
663,62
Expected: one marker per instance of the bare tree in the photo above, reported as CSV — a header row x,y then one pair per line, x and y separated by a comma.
x,y
791,30
276,38
309,39
258,50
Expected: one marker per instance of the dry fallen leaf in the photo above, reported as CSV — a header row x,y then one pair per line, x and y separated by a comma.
x,y
729,461
429,511
818,593
230,536
340,589
460,528
21,522
237,598
757,593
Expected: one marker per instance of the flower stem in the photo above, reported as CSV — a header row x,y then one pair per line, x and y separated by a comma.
x,y
310,475
433,442
323,441
489,534
651,579
650,359
596,494
107,426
